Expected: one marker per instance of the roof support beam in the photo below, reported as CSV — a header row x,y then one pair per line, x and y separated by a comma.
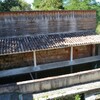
x,y
71,54
34,56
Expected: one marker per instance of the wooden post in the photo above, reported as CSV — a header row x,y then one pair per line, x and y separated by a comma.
x,y
71,54
34,55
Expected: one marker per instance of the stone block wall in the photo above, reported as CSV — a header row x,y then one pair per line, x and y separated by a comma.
x,y
86,24
82,51
16,61
43,57
55,55
44,22
26,59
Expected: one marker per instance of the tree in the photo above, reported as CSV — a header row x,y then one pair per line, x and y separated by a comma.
x,y
48,4
24,6
6,5
78,5
0,5
14,5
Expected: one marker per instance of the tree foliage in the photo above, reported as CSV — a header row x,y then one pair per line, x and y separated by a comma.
x,y
79,5
14,5
48,4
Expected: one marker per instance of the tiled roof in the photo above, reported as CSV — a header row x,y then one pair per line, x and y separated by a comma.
x,y
41,42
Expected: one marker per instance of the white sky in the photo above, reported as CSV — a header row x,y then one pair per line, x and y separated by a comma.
x,y
98,0
30,1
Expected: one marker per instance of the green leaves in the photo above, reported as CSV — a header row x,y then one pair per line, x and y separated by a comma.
x,y
14,5
77,5
48,4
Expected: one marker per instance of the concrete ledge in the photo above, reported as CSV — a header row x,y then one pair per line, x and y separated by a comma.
x,y
49,66
72,90
52,82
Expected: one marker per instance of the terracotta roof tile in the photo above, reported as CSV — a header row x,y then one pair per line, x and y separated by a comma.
x,y
41,42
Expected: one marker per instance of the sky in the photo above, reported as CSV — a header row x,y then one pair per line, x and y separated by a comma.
x,y
30,1
98,0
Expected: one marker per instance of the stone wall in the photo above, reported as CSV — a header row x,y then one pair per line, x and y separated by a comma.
x,y
16,60
82,51
43,22
43,57
55,55
26,59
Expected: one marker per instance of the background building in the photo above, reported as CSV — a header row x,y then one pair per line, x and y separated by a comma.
x,y
40,44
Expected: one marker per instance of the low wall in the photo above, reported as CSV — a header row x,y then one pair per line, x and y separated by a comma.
x,y
52,82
